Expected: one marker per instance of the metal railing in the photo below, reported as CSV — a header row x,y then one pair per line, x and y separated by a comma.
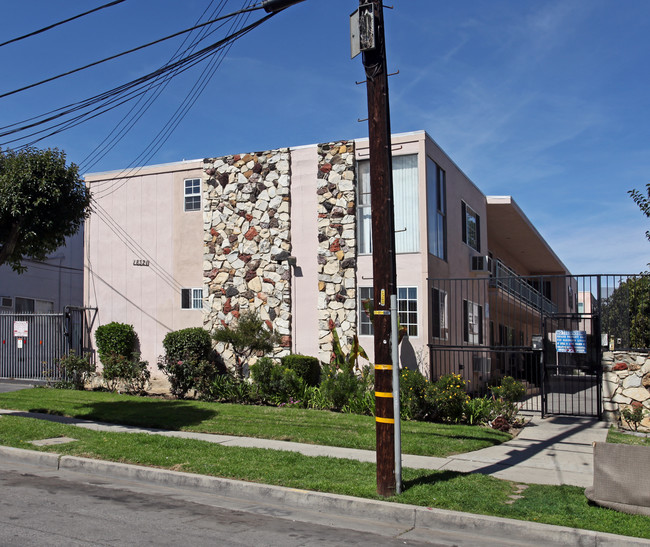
x,y
506,279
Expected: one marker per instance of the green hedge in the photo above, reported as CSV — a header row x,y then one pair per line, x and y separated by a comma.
x,y
307,368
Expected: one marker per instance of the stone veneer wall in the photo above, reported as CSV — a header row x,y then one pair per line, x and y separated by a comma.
x,y
626,379
246,236
337,245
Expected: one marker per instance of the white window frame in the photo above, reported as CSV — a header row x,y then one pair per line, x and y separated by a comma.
x,y
193,297
405,204
190,193
365,326
405,297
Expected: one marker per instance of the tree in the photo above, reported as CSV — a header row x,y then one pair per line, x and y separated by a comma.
x,y
626,313
643,201
248,337
42,201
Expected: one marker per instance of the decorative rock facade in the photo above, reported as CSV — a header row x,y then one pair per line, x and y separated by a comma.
x,y
247,238
337,244
626,380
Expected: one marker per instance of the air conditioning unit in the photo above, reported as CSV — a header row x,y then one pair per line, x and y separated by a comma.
x,y
6,303
481,264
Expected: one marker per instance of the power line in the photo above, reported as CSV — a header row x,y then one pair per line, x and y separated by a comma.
x,y
118,55
49,27
174,69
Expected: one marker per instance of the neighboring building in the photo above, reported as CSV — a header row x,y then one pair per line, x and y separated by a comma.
x,y
48,286
286,232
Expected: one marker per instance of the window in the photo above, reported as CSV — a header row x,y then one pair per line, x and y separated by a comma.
x,y
439,319
405,205
365,321
407,307
472,323
436,210
192,194
581,307
31,305
192,299
471,227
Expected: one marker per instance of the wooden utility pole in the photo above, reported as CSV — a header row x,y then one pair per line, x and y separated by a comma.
x,y
383,240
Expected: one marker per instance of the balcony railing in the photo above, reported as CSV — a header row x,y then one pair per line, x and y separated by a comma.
x,y
507,280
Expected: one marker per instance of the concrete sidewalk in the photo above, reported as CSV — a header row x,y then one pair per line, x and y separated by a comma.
x,y
555,450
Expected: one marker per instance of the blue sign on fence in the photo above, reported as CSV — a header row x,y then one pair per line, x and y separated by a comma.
x,y
571,341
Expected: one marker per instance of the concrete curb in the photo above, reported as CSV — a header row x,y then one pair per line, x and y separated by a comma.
x,y
406,516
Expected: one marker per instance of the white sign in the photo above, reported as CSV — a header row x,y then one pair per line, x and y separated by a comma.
x,y
20,329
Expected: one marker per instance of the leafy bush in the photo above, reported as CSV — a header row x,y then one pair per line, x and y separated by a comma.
x,y
130,375
275,383
412,394
447,397
479,410
342,388
115,338
307,368
509,390
506,395
250,336
363,400
633,414
189,361
76,370
225,388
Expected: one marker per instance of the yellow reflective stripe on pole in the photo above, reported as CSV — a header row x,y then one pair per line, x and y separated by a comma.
x,y
384,420
383,367
383,394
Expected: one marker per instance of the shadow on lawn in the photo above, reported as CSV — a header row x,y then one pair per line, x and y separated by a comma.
x,y
145,413
433,478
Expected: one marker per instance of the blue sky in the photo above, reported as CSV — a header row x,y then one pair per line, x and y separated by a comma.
x,y
547,101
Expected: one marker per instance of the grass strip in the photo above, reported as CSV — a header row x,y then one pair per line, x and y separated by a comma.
x,y
264,422
473,493
618,437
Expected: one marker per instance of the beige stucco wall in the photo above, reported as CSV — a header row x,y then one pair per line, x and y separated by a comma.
x,y
142,217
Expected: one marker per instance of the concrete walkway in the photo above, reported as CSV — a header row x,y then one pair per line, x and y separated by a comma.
x,y
554,450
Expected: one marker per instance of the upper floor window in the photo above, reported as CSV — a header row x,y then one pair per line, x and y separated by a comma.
x,y
436,210
405,205
471,227
192,299
192,194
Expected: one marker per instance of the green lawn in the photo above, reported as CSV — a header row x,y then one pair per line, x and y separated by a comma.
x,y
615,436
474,493
287,424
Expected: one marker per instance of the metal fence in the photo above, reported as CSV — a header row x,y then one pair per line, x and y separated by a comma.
x,y
500,324
32,344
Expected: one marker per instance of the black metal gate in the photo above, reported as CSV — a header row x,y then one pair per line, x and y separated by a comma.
x,y
488,327
572,372
32,344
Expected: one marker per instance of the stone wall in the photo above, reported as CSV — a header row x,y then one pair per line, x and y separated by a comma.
x,y
626,380
336,244
247,239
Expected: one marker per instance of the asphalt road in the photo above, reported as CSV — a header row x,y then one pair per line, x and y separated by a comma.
x,y
41,506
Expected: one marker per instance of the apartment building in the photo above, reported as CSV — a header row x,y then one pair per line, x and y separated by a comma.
x,y
287,233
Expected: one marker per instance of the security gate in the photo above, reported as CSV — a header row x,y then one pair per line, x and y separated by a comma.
x,y
32,344
548,332
572,372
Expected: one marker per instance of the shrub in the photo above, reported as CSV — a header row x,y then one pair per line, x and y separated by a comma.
x,y
479,410
509,390
340,387
362,401
412,393
447,398
633,414
307,368
225,388
130,375
275,383
76,370
115,338
189,361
